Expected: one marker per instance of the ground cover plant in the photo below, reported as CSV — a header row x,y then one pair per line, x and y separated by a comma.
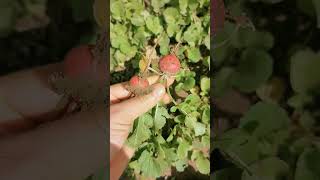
x,y
266,91
170,38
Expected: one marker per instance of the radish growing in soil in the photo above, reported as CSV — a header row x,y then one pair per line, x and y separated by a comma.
x,y
170,64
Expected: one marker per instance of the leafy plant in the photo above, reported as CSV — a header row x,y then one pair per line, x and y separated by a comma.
x,y
275,136
144,33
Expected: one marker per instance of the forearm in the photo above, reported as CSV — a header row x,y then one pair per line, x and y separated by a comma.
x,y
120,162
70,149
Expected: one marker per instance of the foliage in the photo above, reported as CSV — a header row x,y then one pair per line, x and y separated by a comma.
x,y
278,136
169,135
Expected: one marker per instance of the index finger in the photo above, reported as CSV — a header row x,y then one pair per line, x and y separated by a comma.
x,y
28,91
119,92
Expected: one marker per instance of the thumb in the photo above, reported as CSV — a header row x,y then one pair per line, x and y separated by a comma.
x,y
131,109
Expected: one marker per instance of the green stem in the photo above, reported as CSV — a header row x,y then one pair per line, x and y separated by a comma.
x,y
174,102
155,71
154,47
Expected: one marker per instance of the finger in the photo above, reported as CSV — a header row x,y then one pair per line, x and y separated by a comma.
x,y
166,99
133,108
118,92
28,93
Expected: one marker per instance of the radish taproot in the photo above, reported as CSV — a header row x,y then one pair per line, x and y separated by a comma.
x,y
78,61
169,64
138,82
138,85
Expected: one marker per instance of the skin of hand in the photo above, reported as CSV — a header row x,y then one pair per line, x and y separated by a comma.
x,y
123,112
26,101
34,143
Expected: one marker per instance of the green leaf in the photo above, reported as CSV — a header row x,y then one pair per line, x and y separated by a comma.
x,y
307,121
264,118
140,36
164,44
257,39
308,165
222,81
149,166
199,129
120,57
203,164
119,29
161,114
172,134
267,169
172,29
183,5
254,69
206,115
205,141
181,164
158,4
205,84
194,54
206,41
171,15
270,144
116,10
193,34
299,100
238,144
304,73
299,145
147,119
190,122
193,5
171,156
116,42
137,20
140,134
153,24
135,165
183,149
195,155
189,83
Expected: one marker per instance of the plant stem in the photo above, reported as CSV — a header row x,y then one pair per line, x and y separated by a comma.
x,y
155,71
174,102
148,58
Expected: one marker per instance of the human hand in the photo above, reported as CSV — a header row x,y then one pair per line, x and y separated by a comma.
x,y
36,143
123,112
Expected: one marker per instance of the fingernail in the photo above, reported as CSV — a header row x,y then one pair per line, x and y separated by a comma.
x,y
158,92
